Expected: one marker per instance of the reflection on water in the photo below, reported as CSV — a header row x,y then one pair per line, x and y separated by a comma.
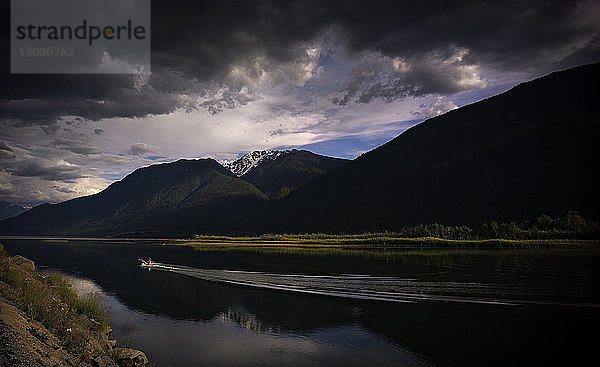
x,y
236,337
236,307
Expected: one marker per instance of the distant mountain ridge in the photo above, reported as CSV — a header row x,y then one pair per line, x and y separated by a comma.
x,y
529,151
279,172
167,197
175,197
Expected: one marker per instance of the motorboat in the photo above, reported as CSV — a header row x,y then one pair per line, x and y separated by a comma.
x,y
147,263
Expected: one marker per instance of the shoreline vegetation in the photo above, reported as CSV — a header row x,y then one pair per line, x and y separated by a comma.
x,y
545,231
382,242
571,230
44,322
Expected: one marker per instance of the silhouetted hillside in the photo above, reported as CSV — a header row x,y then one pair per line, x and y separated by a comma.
x,y
164,197
528,151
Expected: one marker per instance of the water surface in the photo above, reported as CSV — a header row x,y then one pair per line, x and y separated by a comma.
x,y
307,307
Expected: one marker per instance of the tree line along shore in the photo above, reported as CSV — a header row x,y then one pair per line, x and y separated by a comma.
x,y
571,229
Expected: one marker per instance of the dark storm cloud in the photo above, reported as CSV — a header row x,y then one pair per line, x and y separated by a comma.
x,y
119,102
3,146
6,151
41,168
199,41
212,35
507,32
78,144
439,72
6,155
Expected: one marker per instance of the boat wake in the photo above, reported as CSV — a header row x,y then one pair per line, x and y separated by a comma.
x,y
362,286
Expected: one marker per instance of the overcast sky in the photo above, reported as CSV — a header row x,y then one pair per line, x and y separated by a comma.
x,y
334,77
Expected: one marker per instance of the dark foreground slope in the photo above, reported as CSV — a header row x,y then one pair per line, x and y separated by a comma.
x,y
163,198
292,169
528,151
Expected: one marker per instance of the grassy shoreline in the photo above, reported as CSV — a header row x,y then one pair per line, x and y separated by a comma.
x,y
570,230
373,241
45,322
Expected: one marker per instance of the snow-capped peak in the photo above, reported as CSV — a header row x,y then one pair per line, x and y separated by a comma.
x,y
247,162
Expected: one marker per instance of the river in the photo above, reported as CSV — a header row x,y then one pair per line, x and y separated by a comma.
x,y
347,307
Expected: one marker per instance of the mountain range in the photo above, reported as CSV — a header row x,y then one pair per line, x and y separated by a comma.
x,y
173,198
277,173
528,151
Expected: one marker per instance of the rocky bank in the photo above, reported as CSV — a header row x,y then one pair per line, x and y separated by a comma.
x,y
39,327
